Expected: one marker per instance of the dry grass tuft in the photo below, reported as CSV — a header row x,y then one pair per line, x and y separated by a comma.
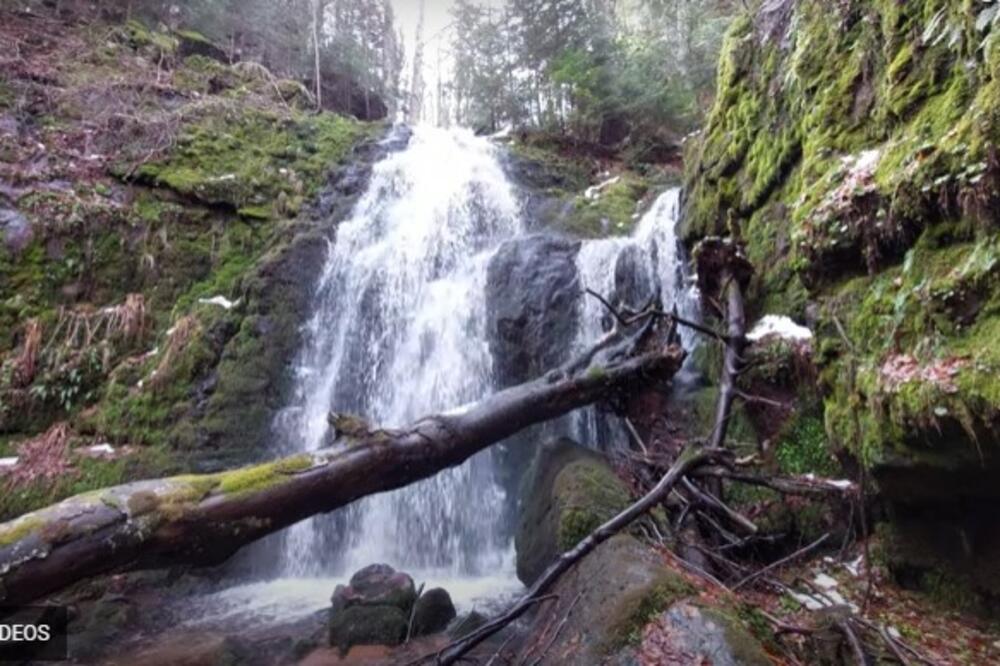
x,y
45,457
26,362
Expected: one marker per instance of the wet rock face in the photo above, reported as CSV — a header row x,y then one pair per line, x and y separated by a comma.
x,y
433,612
633,284
531,299
569,491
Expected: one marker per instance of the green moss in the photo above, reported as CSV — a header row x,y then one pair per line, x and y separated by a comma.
x,y
255,161
803,449
262,476
746,630
638,606
15,531
612,211
941,306
588,493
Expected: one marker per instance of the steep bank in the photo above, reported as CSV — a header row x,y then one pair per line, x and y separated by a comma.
x,y
161,223
854,147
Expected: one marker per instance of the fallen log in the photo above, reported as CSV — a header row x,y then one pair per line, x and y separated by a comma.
x,y
203,520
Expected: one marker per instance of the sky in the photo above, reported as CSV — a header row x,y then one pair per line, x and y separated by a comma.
x,y
437,16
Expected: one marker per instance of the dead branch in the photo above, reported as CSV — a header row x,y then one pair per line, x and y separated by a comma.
x,y
783,561
714,502
788,485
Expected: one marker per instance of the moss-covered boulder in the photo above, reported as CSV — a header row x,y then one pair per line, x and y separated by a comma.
x,y
367,625
433,612
699,634
569,491
625,604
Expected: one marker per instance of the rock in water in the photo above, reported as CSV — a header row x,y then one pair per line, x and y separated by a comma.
x,y
367,625
376,585
374,609
531,299
433,613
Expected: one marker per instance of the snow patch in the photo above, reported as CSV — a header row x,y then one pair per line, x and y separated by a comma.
x,y
504,133
594,191
781,326
221,301
101,450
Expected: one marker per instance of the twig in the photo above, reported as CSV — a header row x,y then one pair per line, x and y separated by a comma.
x,y
559,628
413,614
500,650
896,651
781,484
714,502
746,397
901,644
854,642
785,560
635,435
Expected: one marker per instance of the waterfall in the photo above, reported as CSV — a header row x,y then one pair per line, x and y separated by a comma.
x,y
399,331
628,271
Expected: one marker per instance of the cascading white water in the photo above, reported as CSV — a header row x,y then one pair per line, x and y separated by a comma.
x,y
630,270
399,332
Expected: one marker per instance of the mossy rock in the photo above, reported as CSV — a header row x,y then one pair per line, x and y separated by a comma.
x,y
614,592
433,612
568,492
367,625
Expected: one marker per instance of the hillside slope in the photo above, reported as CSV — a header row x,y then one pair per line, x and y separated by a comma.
x,y
158,247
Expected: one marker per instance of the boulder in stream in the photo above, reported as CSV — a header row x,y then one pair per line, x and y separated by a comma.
x,y
376,585
568,491
367,625
433,612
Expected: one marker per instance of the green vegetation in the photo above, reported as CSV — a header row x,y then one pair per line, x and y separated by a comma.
x,y
102,323
588,493
857,159
642,604
261,164
263,476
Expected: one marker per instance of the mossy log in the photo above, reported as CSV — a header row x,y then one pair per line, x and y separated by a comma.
x,y
202,520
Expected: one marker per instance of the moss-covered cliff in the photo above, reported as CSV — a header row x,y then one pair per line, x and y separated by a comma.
x,y
157,250
854,144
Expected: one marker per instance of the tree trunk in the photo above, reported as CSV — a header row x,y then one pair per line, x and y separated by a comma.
x,y
318,9
203,520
